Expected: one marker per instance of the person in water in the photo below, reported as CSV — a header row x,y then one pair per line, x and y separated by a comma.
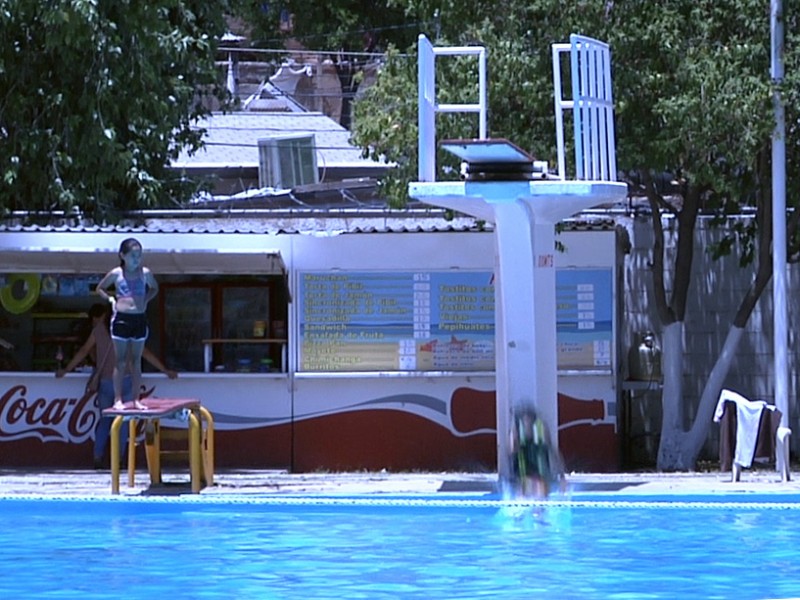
x,y
134,286
534,461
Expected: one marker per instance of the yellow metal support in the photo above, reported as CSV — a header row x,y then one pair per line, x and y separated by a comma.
x,y
201,447
195,458
131,452
115,427
208,446
152,449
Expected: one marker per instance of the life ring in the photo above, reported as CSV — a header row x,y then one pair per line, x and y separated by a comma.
x,y
20,292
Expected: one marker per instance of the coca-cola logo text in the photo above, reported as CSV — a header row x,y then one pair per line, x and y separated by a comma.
x,y
49,419
68,419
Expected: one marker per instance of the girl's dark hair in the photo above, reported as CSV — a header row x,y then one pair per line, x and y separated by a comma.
x,y
126,246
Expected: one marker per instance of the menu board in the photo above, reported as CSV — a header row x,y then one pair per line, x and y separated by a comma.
x,y
584,318
438,321
390,321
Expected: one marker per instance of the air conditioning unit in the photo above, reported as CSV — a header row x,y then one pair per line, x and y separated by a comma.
x,y
287,161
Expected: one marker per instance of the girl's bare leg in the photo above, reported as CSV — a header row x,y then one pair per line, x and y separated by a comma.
x,y
136,372
121,351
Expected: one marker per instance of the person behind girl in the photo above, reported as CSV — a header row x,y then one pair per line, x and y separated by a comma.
x,y
134,286
100,346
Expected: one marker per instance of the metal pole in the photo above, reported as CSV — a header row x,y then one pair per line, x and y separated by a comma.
x,y
780,316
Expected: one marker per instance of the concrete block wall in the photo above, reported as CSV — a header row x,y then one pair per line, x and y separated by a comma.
x,y
717,288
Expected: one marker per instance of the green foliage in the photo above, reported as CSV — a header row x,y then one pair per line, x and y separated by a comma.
x,y
692,86
519,72
349,25
391,132
692,89
386,122
694,98
97,96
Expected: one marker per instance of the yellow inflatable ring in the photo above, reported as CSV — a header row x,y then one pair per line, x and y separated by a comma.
x,y
20,292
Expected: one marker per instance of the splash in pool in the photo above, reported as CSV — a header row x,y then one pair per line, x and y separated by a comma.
x,y
536,465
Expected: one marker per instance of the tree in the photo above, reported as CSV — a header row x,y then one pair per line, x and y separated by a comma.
x,y
96,98
520,84
703,113
693,92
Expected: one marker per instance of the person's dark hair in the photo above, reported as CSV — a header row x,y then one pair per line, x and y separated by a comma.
x,y
99,310
126,246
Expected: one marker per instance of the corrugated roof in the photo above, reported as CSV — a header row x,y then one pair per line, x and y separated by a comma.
x,y
273,222
231,140
352,193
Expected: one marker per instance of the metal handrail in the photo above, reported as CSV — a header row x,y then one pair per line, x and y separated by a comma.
x,y
428,107
592,107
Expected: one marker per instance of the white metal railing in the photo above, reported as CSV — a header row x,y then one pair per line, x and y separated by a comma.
x,y
428,107
592,107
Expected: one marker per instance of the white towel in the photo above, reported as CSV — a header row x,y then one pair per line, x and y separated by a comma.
x,y
748,418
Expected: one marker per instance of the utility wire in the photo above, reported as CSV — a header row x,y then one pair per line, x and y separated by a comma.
x,y
249,50
311,36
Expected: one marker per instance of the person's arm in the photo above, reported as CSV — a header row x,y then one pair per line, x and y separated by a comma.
x,y
156,362
152,285
79,357
105,283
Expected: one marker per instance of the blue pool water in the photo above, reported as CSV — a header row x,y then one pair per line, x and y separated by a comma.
x,y
396,548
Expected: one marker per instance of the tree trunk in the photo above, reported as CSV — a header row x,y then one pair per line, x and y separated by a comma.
x,y
346,70
679,449
711,390
671,448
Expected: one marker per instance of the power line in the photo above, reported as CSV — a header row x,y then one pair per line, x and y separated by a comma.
x,y
310,36
279,51
250,145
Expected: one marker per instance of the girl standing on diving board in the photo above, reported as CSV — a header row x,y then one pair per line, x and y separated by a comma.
x,y
134,286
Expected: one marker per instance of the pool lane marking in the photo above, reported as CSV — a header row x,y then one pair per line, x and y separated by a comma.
x,y
218,500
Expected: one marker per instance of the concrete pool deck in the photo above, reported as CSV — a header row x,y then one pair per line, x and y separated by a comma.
x,y
89,483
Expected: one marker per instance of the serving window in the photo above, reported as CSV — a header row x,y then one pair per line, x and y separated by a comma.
x,y
41,328
43,318
223,323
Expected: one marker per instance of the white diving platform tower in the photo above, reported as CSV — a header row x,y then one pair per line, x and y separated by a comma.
x,y
501,187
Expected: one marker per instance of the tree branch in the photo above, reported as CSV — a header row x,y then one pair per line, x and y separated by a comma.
x,y
687,222
656,201
765,238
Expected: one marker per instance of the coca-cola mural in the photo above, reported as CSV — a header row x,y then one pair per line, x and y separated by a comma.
x,y
46,419
292,343
46,423
399,424
49,419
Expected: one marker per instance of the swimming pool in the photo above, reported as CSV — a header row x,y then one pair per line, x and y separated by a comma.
x,y
396,548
